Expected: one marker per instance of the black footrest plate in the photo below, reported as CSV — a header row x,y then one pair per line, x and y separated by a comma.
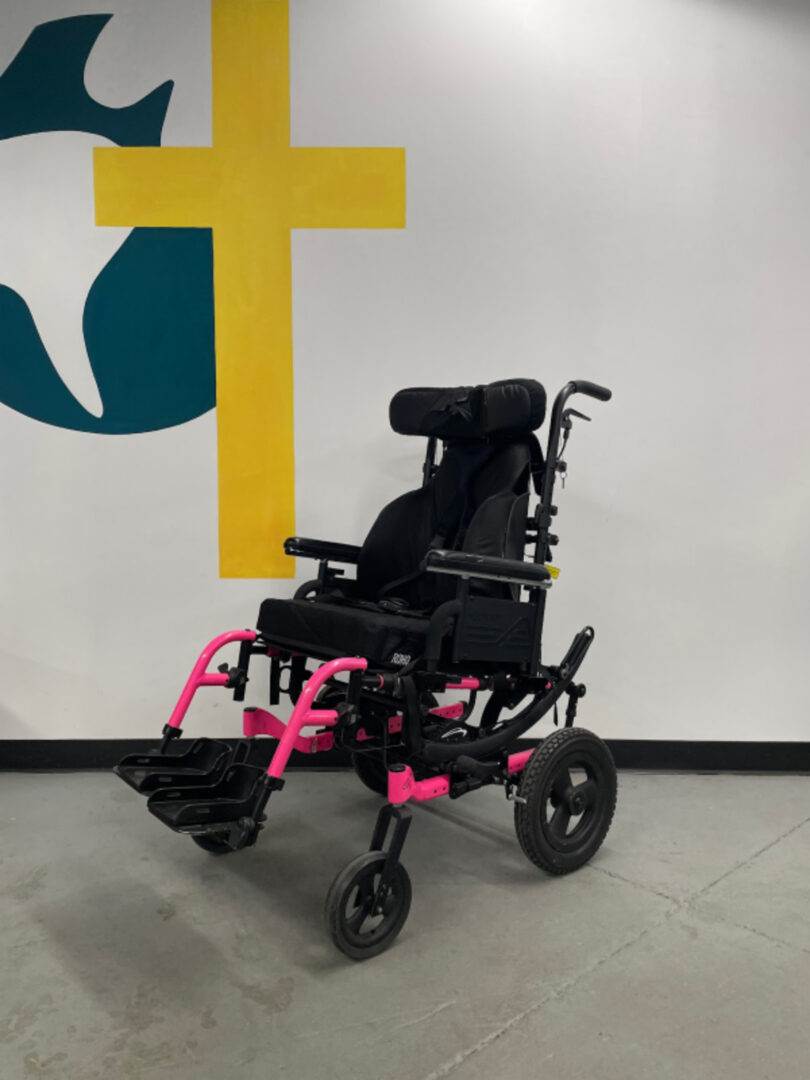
x,y
203,763
225,802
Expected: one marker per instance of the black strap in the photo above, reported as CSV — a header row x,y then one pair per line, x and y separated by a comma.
x,y
458,512
397,583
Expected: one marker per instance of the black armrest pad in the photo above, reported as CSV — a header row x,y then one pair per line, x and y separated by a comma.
x,y
321,549
485,566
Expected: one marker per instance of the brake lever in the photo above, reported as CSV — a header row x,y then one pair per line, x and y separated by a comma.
x,y
567,425
566,420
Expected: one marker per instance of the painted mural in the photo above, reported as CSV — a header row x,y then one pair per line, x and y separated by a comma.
x,y
114,332
173,293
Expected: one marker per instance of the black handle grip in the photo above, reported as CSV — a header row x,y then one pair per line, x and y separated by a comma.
x,y
592,389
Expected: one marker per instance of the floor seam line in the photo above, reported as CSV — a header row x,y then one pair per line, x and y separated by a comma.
x,y
737,925
637,884
553,995
749,860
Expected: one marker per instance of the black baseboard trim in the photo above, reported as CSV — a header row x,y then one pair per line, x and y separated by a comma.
x,y
792,757
653,754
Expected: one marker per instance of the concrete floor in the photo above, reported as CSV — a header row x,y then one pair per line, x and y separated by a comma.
x,y
683,950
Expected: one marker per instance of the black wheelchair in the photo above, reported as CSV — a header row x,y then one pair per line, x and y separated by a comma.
x,y
444,599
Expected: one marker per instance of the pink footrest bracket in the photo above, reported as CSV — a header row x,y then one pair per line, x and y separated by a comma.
x,y
260,722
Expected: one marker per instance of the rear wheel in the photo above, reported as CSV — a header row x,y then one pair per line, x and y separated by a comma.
x,y
372,772
568,793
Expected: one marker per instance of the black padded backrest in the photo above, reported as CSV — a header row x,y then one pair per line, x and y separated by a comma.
x,y
476,502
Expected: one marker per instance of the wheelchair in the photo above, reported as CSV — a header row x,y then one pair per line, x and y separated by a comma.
x,y
448,595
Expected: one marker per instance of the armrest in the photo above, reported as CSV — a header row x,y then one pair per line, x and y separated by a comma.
x,y
463,564
321,549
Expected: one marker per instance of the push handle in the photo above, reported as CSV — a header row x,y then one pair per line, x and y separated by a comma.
x,y
560,427
592,389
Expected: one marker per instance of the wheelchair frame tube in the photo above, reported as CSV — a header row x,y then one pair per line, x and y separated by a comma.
x,y
438,753
259,721
402,784
304,715
201,677
403,787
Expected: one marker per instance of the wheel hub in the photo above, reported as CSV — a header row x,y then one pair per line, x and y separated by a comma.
x,y
576,802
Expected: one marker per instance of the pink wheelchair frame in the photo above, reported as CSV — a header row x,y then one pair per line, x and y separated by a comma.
x,y
402,786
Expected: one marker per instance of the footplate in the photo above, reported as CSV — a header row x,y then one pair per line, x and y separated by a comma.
x,y
240,793
203,763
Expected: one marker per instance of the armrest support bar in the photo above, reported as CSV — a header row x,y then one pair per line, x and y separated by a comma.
x,y
321,549
463,564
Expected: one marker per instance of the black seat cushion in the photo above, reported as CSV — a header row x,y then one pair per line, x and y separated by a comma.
x,y
327,628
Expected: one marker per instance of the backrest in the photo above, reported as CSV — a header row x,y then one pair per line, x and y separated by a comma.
x,y
477,499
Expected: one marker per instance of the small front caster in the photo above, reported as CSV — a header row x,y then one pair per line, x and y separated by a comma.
x,y
234,839
214,843
364,915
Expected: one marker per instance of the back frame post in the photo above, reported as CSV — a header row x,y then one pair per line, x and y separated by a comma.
x,y
546,510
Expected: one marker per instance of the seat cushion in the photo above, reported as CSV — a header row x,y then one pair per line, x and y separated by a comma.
x,y
327,629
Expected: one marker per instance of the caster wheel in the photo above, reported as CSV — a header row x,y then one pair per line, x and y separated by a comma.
x,y
356,929
213,844
217,843
372,772
570,790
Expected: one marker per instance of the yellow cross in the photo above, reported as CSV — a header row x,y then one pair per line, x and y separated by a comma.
x,y
251,187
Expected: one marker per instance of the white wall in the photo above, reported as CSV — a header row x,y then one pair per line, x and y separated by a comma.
x,y
615,191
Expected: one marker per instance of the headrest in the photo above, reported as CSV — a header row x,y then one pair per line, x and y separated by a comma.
x,y
510,407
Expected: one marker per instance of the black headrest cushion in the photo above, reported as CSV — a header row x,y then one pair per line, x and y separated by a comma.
x,y
507,408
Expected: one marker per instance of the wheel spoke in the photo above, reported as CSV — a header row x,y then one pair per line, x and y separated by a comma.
x,y
356,919
362,904
561,784
559,821
358,927
365,893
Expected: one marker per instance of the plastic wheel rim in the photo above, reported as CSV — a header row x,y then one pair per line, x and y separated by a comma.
x,y
355,909
571,807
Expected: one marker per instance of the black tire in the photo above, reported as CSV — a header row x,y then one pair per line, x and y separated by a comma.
x,y
213,844
564,820
372,772
217,843
348,904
